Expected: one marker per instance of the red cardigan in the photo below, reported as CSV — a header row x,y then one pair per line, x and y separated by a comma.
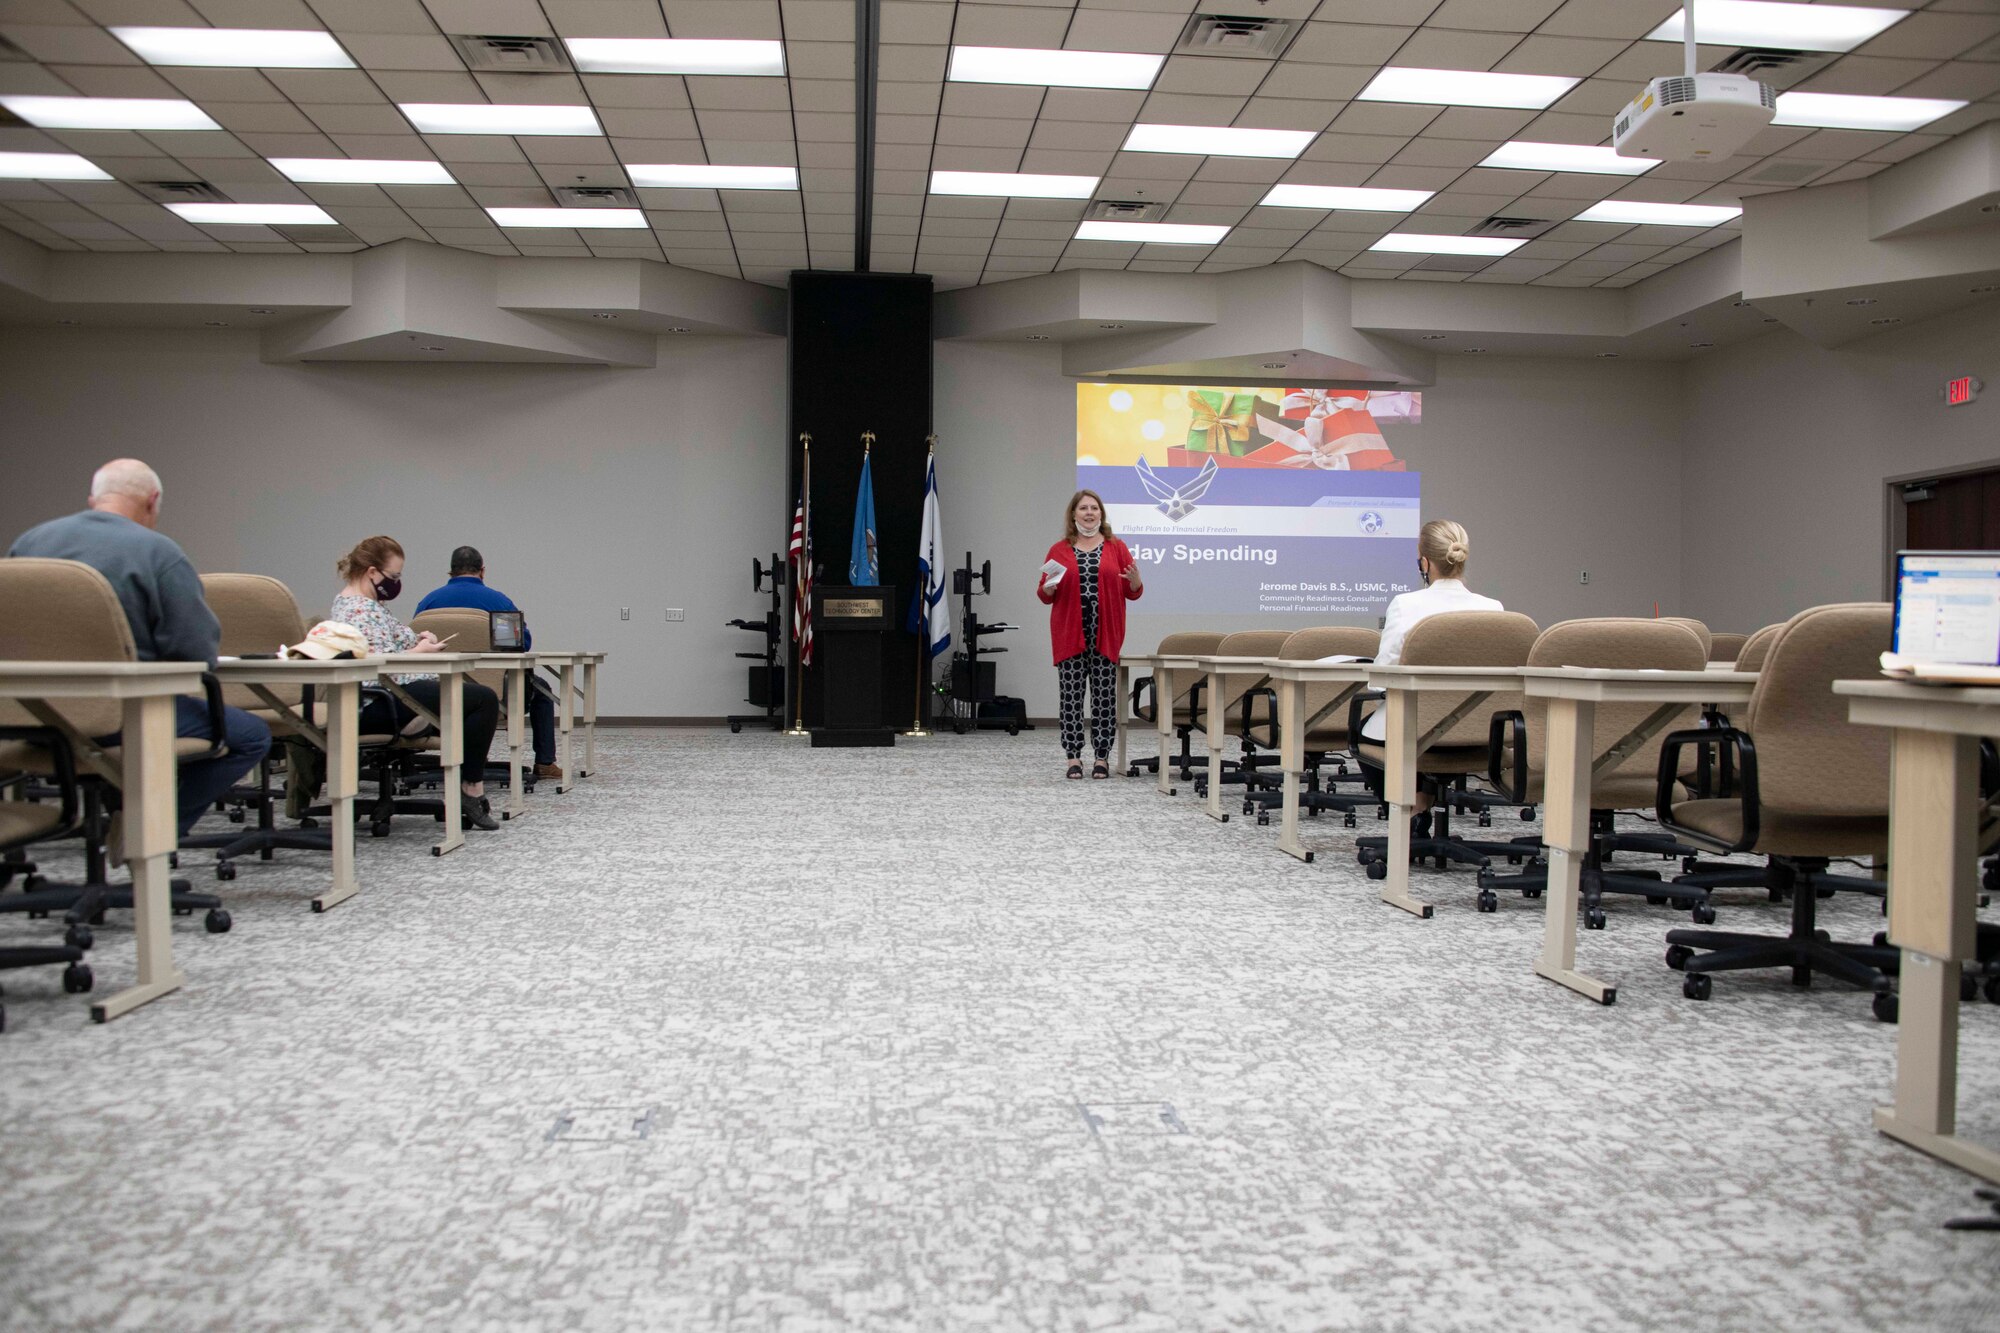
x,y
1066,603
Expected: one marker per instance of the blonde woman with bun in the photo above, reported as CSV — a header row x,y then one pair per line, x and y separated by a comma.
x,y
1443,550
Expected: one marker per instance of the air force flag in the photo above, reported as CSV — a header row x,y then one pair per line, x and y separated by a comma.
x,y
863,568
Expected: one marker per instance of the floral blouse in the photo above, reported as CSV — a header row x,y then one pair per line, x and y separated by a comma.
x,y
385,633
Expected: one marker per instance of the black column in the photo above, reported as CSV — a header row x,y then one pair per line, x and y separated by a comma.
x,y
861,360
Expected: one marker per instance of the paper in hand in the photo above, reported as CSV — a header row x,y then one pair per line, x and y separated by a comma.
x,y
1052,572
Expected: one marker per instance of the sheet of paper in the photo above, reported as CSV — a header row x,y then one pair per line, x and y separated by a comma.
x,y
1052,572
1339,659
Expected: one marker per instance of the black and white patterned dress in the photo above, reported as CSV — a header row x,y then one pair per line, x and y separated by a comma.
x,y
1090,670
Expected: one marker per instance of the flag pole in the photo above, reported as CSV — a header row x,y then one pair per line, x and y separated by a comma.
x,y
917,727
798,727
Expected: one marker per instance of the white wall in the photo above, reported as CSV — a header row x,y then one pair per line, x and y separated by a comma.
x,y
1555,466
1788,447
586,489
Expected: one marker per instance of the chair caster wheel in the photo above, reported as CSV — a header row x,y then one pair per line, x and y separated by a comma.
x,y
1968,988
1593,918
378,830
735,728
1886,1006
225,870
1531,893
1698,986
217,921
438,818
308,822
79,937
1378,870
1703,914
1528,814
1489,901
1993,990
1677,956
1486,819
1688,864
1655,899
235,816
77,979
1348,822
1263,821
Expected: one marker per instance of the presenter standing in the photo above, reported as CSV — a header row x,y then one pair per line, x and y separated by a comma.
x,y
1088,578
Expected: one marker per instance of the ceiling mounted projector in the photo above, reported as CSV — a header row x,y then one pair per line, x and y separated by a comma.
x,y
1693,117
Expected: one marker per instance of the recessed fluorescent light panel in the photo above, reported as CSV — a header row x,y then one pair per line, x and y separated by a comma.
x,y
109,113
696,176
669,55
1638,213
49,167
253,215
621,218
1053,69
1464,87
1847,111
1151,233
1218,141
362,171
1012,185
1784,26
1415,243
258,48
481,118
1348,198
1519,156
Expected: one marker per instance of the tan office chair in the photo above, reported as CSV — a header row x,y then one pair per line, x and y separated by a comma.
x,y
1811,786
1194,643
1518,753
1237,690
1758,647
1326,735
63,611
474,631
1726,647
1700,631
1456,638
23,824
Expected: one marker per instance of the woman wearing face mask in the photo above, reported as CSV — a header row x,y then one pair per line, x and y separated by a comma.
x,y
1443,548
373,571
1087,626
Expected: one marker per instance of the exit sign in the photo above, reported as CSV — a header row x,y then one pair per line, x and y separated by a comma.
x,y
1961,390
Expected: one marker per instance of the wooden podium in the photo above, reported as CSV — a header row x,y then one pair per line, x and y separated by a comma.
x,y
851,627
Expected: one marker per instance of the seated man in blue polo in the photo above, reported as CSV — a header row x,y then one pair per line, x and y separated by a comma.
x,y
467,591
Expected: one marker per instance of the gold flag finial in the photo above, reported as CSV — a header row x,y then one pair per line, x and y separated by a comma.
x,y
805,440
931,440
867,440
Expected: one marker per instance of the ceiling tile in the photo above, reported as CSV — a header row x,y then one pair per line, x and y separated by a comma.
x,y
1191,109
375,16
1493,15
376,51
1936,36
1384,118
56,45
1348,43
1212,75
605,18
992,99
1577,57
1321,83
1434,48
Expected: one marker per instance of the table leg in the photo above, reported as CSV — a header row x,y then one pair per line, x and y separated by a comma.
x,y
565,722
150,782
518,685
451,757
1292,755
1399,784
589,720
1566,833
343,783
1124,718
1218,738
1163,723
1933,865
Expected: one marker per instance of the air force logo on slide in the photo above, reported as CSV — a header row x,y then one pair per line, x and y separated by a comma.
x,y
1371,522
1176,504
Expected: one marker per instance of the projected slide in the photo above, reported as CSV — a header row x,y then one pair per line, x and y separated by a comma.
x,y
1238,500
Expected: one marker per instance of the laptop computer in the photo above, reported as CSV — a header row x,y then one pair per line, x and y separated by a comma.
x,y
510,631
1948,608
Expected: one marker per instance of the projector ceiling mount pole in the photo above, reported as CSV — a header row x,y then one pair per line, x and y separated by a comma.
x,y
867,65
1687,34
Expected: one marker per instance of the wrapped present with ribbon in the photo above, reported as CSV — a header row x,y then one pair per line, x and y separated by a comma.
x,y
1220,422
1303,404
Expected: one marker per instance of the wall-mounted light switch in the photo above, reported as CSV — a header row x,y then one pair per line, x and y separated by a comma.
x,y
675,613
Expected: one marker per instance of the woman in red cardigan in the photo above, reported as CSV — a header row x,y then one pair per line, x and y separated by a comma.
x,y
1087,625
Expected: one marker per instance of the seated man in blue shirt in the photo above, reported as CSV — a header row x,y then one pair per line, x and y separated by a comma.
x,y
170,620
467,591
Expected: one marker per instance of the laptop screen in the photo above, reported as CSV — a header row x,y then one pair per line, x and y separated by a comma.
x,y
1948,606
507,631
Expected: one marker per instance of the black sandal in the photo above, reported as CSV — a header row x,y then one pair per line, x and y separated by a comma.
x,y
1099,771
1075,770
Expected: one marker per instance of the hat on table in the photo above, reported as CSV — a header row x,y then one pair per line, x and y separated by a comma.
x,y
330,639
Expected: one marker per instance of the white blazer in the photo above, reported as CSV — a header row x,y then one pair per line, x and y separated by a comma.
x,y
1408,610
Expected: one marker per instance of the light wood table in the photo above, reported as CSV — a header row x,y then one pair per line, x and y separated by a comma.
x,y
519,669
1170,673
1214,668
146,773
1574,694
564,665
1401,744
587,664
1934,813
340,741
451,670
1293,726
1128,665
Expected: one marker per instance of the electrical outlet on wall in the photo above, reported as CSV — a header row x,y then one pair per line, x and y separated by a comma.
x,y
1584,577
675,613
624,613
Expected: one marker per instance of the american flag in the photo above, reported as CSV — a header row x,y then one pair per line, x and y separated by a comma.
x,y
799,554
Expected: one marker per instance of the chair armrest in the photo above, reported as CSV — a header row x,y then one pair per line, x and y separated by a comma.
x,y
1744,749
1194,698
1140,684
1270,697
60,755
1504,729
218,725
1354,718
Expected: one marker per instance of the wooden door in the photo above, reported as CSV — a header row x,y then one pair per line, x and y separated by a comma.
x,y
1962,513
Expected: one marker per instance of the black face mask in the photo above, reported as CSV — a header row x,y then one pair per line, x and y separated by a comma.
x,y
1423,574
387,589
